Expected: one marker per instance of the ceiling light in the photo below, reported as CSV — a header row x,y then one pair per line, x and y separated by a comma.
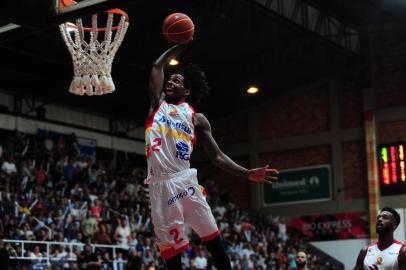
x,y
252,90
174,62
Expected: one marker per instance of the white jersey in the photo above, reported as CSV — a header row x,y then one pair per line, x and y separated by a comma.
x,y
169,138
386,259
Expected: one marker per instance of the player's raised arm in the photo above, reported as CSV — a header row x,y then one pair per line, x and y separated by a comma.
x,y
156,79
221,160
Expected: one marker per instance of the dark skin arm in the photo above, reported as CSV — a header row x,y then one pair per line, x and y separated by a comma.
x,y
402,258
221,160
360,260
156,79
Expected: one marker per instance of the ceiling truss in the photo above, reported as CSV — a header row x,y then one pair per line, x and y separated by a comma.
x,y
317,21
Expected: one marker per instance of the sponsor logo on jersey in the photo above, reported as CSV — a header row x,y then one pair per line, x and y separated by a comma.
x,y
393,253
203,191
175,124
187,193
173,112
379,260
370,252
182,151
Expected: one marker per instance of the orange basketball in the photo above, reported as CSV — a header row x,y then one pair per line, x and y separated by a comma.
x,y
178,28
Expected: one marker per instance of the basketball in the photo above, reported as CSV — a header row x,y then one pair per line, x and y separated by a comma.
x,y
178,28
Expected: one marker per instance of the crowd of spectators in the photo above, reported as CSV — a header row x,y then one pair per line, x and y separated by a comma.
x,y
49,192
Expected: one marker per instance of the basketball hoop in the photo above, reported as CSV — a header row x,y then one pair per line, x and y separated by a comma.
x,y
92,58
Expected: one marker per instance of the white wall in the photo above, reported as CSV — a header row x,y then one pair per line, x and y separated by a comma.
x,y
138,132
400,231
70,115
345,251
78,118
103,140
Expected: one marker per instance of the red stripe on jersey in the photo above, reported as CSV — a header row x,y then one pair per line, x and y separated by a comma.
x,y
150,118
180,102
210,236
385,247
167,254
194,139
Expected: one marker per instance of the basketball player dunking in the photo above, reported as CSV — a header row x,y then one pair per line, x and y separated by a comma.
x,y
175,195
387,254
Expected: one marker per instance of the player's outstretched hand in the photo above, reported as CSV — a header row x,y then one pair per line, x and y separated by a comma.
x,y
264,174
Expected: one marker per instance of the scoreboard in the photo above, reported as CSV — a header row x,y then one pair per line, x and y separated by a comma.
x,y
392,175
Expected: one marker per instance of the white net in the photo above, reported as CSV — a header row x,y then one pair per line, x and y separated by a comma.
x,y
93,59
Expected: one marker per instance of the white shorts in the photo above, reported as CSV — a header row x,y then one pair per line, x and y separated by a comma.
x,y
175,200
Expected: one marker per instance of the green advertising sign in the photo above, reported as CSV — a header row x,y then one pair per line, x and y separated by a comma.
x,y
308,184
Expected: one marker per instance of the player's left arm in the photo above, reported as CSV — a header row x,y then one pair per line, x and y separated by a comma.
x,y
402,258
221,160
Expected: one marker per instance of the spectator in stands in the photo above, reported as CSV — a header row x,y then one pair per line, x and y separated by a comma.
x,y
9,166
69,172
86,257
106,263
282,234
4,256
134,260
89,225
115,193
123,233
96,208
220,209
102,236
148,257
37,253
301,261
292,258
62,256
73,256
200,261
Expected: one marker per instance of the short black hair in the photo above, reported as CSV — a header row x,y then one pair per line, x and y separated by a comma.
x,y
194,79
393,212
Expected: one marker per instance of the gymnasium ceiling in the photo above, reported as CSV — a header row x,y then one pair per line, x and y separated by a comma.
x,y
278,45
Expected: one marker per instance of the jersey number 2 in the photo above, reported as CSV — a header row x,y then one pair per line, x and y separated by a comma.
x,y
157,143
175,234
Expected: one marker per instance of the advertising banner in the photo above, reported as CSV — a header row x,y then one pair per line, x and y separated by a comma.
x,y
299,185
333,227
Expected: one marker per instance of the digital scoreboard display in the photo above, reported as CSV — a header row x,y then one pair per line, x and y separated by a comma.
x,y
392,172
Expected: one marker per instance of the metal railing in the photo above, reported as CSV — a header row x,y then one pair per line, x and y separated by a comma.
x,y
48,257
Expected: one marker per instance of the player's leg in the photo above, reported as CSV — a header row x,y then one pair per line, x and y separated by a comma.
x,y
199,216
218,252
168,223
174,263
